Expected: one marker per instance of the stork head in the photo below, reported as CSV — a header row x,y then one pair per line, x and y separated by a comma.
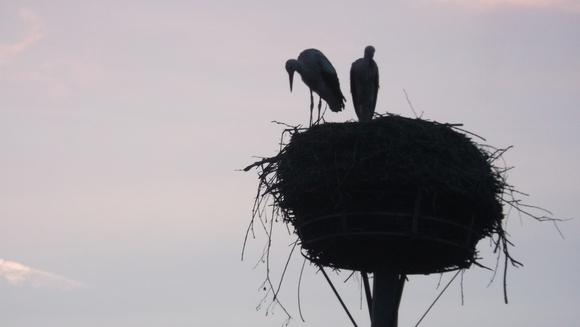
x,y
369,52
291,68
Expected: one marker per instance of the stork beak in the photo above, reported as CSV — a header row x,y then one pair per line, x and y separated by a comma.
x,y
291,75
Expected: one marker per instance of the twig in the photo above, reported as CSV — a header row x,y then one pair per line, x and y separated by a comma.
x,y
409,102
299,282
261,162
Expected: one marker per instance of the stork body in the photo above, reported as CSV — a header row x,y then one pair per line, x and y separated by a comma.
x,y
364,85
320,76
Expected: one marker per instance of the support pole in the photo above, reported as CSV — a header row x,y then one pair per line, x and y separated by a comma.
x,y
368,292
387,291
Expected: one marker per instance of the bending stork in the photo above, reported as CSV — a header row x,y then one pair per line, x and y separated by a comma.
x,y
320,76
364,85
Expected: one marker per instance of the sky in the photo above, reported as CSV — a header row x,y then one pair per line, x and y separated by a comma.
x,y
124,126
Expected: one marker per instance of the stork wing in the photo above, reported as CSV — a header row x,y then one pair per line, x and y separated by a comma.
x,y
353,90
329,77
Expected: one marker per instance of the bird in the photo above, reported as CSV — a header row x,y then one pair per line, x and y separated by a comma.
x,y
320,76
364,85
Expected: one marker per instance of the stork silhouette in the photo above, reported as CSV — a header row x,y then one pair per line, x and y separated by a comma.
x,y
320,76
364,85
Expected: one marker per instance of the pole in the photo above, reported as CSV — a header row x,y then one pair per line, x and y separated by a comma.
x,y
368,292
387,291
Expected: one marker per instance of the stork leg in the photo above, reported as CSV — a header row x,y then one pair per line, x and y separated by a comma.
x,y
311,106
319,106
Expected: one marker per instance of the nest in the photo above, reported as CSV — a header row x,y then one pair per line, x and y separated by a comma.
x,y
410,194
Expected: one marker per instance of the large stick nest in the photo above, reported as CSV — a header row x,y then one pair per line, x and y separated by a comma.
x,y
410,194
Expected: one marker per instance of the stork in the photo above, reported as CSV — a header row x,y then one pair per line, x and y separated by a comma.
x,y
364,85
320,76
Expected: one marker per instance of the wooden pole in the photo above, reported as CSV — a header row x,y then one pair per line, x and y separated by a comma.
x,y
387,291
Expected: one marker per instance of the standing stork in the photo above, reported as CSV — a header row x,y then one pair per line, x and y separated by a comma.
x,y
364,85
320,76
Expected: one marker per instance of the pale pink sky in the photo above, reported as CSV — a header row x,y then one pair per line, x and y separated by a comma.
x,y
123,124
568,5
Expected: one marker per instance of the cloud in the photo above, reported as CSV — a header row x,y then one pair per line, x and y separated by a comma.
x,y
33,34
18,274
566,5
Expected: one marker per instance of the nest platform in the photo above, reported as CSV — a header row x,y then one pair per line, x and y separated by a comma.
x,y
410,194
